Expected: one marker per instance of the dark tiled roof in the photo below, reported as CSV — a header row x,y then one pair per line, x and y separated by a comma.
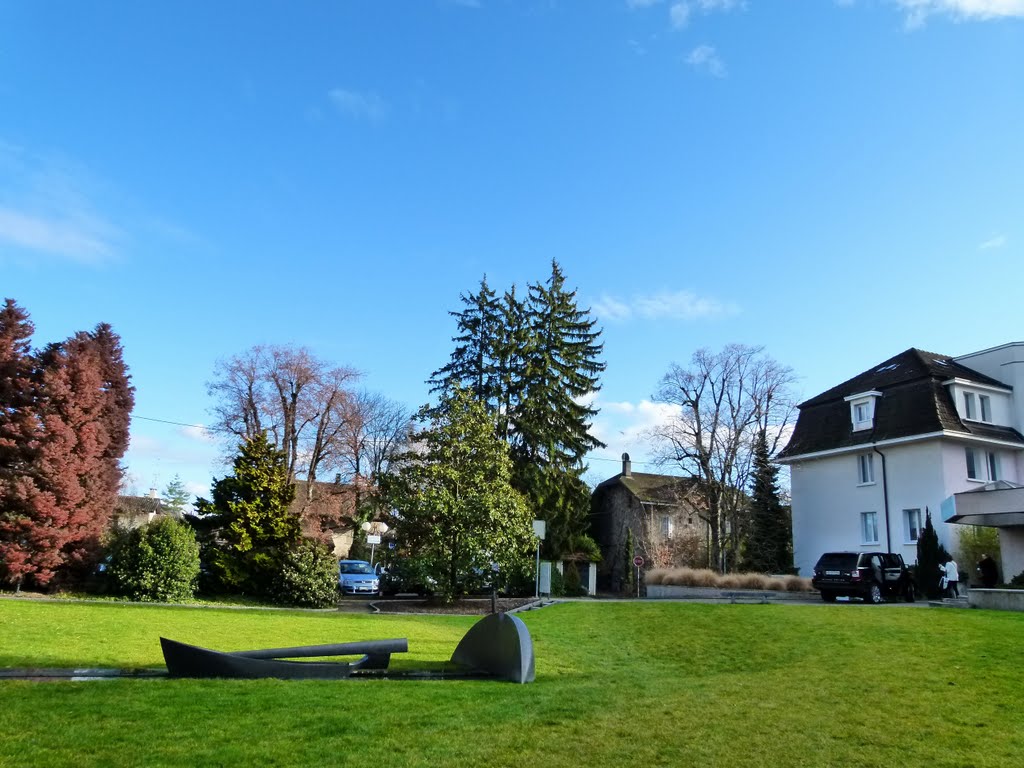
x,y
913,402
136,505
655,489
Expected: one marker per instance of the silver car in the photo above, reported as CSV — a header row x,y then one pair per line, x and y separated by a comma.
x,y
357,577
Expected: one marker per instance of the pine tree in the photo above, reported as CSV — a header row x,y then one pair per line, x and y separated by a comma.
x,y
176,498
767,548
252,508
473,364
551,426
930,555
510,361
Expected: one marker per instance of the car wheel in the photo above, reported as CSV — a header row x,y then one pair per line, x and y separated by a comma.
x,y
875,594
828,597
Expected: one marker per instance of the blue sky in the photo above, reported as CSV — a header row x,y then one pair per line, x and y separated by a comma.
x,y
836,181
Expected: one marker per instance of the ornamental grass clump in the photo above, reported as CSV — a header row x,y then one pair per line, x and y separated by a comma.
x,y
703,577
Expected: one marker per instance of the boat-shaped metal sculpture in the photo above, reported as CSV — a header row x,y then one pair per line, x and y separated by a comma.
x,y
192,661
496,647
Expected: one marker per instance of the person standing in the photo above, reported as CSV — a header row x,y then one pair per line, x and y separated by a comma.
x,y
952,578
989,572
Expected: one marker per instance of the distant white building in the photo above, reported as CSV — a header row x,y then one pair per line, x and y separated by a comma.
x,y
918,432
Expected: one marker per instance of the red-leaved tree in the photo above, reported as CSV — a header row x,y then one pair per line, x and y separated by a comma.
x,y
60,467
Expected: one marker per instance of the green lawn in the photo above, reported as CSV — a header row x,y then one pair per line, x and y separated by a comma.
x,y
617,684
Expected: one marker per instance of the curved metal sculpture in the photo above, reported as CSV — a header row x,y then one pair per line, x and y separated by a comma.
x,y
498,647
192,661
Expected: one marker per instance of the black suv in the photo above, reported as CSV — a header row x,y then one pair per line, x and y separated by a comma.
x,y
873,576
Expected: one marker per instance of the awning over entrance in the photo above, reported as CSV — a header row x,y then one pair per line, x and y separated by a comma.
x,y
996,505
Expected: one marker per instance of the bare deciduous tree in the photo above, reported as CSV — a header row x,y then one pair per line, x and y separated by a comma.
x,y
302,403
724,399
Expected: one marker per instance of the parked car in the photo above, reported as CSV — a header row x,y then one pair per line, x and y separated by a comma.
x,y
873,576
357,577
406,576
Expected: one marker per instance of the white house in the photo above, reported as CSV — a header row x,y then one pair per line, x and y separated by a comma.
x,y
914,433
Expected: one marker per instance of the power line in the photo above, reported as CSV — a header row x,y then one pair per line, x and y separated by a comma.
x,y
222,429
181,424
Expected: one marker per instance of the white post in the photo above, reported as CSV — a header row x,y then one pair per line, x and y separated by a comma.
x,y
539,530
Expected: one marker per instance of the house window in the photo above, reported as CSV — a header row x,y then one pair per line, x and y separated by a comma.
x,y
862,409
968,405
666,526
972,464
911,525
861,413
986,407
865,469
869,527
992,462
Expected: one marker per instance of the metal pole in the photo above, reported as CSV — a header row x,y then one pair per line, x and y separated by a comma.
x,y
536,591
638,581
373,547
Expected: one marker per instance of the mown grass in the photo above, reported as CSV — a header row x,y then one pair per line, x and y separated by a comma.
x,y
617,684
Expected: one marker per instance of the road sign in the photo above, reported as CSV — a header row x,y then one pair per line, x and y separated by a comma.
x,y
373,538
638,561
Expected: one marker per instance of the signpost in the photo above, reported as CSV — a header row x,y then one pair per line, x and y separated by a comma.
x,y
373,534
638,562
539,530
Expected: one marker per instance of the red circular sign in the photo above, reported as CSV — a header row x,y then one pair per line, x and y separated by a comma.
x,y
638,561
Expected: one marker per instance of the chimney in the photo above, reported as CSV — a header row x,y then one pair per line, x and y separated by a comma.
x,y
627,470
152,493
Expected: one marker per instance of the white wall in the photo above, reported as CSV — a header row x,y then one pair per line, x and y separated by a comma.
x,y
1006,364
1011,551
827,501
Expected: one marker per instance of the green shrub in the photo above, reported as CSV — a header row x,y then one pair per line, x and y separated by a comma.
x,y
571,580
155,562
557,583
309,577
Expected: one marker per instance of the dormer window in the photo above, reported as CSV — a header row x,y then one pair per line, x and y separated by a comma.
x,y
969,410
986,407
862,409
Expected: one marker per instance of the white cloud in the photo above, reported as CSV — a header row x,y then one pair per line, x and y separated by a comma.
x,y
198,489
47,205
610,308
673,305
996,242
626,427
918,11
76,235
704,58
198,433
357,104
708,6
679,15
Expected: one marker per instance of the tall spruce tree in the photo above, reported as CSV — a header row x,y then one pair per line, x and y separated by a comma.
x,y
767,548
531,363
473,364
550,428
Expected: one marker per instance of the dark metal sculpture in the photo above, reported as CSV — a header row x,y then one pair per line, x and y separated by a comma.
x,y
496,647
192,661
500,646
